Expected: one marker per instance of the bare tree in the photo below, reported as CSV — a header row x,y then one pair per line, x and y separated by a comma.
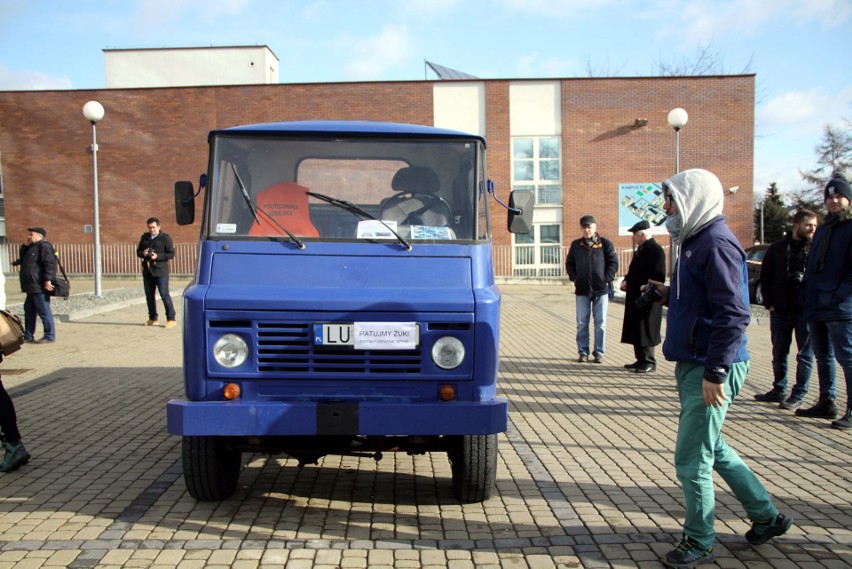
x,y
834,154
706,61
600,70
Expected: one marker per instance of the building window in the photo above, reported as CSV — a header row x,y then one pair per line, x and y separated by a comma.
x,y
536,166
539,252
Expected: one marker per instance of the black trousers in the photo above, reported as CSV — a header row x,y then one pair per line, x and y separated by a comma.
x,y
8,418
645,354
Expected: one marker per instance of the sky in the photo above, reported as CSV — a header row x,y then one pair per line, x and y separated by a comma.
x,y
800,50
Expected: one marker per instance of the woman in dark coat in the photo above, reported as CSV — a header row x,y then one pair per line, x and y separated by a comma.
x,y
642,327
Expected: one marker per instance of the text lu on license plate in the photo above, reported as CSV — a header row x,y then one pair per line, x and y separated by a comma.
x,y
367,335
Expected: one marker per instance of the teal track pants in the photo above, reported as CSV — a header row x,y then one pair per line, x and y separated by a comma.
x,y
701,449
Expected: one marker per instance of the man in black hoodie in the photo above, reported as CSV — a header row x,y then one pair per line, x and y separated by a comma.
x,y
781,276
591,265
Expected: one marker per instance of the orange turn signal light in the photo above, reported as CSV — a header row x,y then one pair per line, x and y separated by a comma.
x,y
447,393
231,391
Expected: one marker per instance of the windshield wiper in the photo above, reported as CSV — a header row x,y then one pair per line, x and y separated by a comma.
x,y
349,206
254,208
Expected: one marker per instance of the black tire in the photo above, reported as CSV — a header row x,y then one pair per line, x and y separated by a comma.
x,y
473,459
210,468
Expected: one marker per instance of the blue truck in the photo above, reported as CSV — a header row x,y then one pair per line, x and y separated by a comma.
x,y
343,302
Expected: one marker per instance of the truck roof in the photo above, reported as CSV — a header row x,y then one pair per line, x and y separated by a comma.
x,y
365,129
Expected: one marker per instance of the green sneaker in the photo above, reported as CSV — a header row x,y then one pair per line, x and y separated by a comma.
x,y
16,456
761,532
687,554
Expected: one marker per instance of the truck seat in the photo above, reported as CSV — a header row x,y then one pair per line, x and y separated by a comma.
x,y
417,201
286,203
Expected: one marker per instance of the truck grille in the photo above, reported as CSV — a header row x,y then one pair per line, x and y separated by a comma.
x,y
285,347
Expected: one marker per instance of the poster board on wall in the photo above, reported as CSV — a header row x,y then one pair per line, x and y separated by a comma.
x,y
641,201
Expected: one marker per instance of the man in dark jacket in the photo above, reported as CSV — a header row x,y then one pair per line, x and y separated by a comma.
x,y
827,296
705,335
156,249
781,274
37,260
591,265
641,325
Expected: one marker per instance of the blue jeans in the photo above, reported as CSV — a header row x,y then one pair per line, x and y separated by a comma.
x,y
701,449
38,304
782,328
833,339
588,306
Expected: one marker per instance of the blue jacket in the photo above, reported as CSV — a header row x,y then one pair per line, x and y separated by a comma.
x,y
827,295
708,302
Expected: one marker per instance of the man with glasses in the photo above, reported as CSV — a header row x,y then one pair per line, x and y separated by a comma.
x,y
156,249
705,335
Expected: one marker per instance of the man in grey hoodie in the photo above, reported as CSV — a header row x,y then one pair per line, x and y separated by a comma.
x,y
705,335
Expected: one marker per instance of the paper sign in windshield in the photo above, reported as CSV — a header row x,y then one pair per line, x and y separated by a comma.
x,y
429,232
386,335
375,229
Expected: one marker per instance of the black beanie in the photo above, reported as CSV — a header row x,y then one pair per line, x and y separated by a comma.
x,y
838,185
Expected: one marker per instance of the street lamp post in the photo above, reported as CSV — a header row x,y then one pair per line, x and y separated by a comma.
x,y
677,120
94,111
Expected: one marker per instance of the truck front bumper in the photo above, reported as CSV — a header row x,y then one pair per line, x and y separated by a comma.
x,y
276,418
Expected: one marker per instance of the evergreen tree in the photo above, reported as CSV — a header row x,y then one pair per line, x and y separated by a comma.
x,y
834,154
776,218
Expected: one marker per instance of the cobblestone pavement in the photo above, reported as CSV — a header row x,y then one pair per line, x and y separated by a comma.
x,y
585,473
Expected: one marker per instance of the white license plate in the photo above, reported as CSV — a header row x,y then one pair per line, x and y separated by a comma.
x,y
367,335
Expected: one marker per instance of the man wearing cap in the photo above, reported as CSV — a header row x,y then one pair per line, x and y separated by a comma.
x,y
591,265
37,260
641,325
827,296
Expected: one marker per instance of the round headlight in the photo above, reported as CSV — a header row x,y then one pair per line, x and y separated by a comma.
x,y
448,352
230,350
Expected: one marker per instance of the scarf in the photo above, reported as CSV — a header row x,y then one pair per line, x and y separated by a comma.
x,y
831,221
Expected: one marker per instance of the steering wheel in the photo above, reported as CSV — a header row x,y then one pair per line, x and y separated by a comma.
x,y
430,202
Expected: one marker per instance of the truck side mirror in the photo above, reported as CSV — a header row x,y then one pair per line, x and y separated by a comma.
x,y
184,203
521,203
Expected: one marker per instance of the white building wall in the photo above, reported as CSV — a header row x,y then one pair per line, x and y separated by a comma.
x,y
459,106
182,67
535,108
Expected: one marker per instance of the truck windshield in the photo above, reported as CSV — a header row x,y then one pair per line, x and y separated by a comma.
x,y
417,190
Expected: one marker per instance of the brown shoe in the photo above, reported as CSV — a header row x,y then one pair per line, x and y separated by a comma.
x,y
152,323
170,324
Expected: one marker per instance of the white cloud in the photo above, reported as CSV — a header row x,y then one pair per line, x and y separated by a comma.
x,y
373,55
700,21
172,10
804,112
793,123
532,65
30,81
556,8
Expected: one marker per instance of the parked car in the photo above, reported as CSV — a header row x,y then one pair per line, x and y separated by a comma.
x,y
754,259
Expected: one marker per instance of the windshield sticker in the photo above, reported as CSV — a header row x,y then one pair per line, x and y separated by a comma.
x,y
429,232
226,228
375,229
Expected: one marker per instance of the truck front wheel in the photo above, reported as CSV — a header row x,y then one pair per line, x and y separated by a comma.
x,y
210,468
473,459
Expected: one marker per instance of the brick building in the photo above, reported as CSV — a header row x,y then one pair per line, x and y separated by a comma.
x,y
576,142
